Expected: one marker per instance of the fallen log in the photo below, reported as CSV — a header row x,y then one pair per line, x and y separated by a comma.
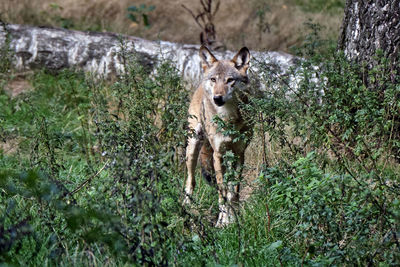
x,y
100,53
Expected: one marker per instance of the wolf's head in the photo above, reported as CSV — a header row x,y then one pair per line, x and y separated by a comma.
x,y
221,77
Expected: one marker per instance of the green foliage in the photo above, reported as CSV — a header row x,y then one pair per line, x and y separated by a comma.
x,y
141,11
98,173
141,137
98,167
229,129
35,207
337,203
5,57
326,218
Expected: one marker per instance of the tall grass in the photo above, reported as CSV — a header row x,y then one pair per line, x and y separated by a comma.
x,y
97,175
257,24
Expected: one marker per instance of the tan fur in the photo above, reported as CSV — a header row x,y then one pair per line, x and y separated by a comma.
x,y
223,85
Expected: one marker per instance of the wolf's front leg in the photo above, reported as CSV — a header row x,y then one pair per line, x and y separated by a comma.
x,y
234,187
228,192
192,154
225,213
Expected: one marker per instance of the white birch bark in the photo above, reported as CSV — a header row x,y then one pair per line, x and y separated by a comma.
x,y
100,53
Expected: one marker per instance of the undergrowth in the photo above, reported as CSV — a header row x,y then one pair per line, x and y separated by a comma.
x,y
97,176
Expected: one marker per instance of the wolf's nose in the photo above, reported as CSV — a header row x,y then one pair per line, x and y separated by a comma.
x,y
219,100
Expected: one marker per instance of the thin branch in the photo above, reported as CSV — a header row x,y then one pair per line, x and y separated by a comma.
x,y
193,15
216,9
204,19
87,181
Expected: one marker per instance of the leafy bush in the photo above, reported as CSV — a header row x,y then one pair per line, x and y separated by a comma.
x,y
99,170
337,203
327,218
142,134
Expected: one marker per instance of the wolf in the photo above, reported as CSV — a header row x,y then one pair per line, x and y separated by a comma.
x,y
224,86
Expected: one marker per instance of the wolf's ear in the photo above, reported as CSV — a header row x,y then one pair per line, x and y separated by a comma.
x,y
242,59
207,58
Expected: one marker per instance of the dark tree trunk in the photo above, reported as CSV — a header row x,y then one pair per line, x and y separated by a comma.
x,y
369,26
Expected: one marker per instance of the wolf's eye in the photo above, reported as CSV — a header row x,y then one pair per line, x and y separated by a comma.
x,y
230,80
213,80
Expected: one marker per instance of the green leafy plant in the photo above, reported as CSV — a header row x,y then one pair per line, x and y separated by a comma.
x,y
338,130
140,13
5,56
97,172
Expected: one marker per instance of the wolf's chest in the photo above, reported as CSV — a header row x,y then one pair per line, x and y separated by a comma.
x,y
223,127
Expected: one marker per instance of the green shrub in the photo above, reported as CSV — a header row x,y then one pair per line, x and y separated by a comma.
x,y
142,134
337,203
327,218
98,174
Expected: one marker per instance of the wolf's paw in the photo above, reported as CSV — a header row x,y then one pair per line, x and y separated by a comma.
x,y
225,216
187,200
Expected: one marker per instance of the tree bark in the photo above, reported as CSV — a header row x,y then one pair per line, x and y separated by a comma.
x,y
101,53
368,26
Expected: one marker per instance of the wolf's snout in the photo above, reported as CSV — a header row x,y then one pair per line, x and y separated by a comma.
x,y
219,100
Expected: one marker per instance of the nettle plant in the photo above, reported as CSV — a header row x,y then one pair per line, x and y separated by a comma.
x,y
339,200
141,128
